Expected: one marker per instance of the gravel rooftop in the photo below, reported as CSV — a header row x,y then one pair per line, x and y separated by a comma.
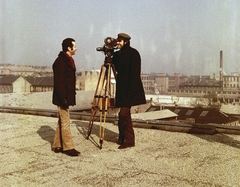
x,y
160,158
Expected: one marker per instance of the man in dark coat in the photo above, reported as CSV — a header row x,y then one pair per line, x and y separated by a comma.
x,y
129,88
64,95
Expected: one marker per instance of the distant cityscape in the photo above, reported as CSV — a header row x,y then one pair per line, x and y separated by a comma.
x,y
221,88
187,96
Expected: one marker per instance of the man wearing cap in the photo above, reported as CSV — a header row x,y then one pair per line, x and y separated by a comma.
x,y
129,88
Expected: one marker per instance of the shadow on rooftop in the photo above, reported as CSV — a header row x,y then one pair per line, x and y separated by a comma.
x,y
46,133
82,128
220,138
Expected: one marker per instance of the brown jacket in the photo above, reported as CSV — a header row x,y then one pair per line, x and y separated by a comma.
x,y
64,80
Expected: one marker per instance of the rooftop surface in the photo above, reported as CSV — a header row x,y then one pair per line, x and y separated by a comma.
x,y
160,158
43,100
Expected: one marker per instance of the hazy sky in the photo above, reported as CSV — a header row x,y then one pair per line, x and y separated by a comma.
x,y
172,36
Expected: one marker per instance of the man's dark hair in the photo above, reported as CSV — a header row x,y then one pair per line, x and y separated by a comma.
x,y
67,43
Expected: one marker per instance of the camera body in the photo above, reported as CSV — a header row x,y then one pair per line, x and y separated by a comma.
x,y
110,44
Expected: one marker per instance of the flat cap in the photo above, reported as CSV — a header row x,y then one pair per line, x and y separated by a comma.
x,y
124,36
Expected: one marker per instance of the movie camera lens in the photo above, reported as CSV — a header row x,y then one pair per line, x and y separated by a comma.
x,y
109,44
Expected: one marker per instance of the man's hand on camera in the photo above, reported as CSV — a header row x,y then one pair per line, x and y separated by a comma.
x,y
64,103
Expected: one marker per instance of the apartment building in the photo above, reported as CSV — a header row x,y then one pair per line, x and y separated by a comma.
x,y
160,83
223,90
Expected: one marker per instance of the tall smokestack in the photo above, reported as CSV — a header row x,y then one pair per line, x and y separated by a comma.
x,y
221,66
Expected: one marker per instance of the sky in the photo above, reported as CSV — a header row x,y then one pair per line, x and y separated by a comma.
x,y
172,36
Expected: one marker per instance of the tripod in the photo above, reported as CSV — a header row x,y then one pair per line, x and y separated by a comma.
x,y
102,98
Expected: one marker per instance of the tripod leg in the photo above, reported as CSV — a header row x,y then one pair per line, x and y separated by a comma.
x,y
95,102
104,112
104,123
91,122
100,125
103,119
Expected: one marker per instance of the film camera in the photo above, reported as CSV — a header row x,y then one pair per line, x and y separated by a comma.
x,y
110,44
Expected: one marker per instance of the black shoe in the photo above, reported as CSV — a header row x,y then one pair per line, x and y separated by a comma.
x,y
58,150
126,145
72,152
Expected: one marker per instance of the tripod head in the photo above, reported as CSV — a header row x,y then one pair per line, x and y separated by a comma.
x,y
110,44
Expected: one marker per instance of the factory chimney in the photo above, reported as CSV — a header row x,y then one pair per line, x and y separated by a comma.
x,y
221,66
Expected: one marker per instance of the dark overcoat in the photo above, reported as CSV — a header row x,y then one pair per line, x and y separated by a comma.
x,y
129,88
64,80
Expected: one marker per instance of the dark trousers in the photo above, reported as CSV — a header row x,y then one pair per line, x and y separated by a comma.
x,y
126,132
